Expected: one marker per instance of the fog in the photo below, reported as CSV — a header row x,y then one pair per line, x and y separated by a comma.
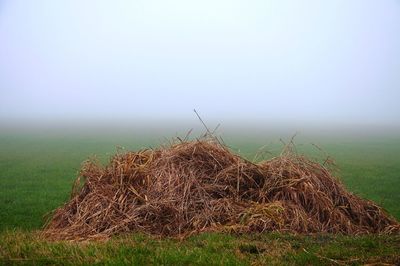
x,y
244,64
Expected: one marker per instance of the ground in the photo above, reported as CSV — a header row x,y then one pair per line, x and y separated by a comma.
x,y
37,171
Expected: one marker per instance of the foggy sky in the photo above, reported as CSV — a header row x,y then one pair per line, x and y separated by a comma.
x,y
304,61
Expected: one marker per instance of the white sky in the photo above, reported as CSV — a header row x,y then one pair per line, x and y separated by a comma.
x,y
311,61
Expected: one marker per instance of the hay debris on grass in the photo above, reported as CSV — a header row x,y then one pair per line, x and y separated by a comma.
x,y
194,186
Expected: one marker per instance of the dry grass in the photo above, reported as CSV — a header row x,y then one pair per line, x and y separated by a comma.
x,y
194,186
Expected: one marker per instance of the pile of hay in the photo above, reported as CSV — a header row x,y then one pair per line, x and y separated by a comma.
x,y
195,186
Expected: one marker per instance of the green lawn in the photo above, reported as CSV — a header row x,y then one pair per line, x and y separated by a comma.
x,y
204,249
37,171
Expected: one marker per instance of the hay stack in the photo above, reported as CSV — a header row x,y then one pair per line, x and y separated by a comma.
x,y
195,186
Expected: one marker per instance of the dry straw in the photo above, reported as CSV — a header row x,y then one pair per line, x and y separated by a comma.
x,y
193,186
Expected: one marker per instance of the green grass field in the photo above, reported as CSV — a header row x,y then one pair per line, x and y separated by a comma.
x,y
37,171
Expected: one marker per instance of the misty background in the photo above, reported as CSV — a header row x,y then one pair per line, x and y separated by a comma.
x,y
292,65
